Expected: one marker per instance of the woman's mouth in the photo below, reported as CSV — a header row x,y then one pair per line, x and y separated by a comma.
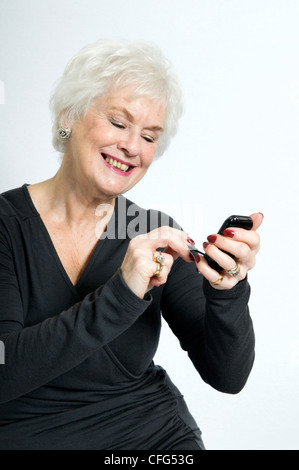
x,y
116,165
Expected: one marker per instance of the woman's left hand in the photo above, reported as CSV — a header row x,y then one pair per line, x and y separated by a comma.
x,y
242,244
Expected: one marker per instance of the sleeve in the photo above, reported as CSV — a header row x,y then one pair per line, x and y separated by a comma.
x,y
37,354
213,326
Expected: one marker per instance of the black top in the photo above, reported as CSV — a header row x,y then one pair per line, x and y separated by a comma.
x,y
79,370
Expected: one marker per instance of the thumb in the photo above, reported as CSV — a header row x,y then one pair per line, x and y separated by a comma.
x,y
171,252
257,219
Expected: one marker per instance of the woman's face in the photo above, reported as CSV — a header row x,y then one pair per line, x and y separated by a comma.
x,y
111,149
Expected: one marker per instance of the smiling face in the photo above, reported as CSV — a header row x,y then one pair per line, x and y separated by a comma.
x,y
111,149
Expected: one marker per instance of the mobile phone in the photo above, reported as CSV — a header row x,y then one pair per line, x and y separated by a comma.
x,y
240,221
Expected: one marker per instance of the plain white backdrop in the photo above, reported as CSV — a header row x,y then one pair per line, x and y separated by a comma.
x,y
237,151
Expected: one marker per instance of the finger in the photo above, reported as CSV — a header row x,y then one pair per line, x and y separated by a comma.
x,y
257,219
171,252
225,260
223,249
187,256
238,242
212,276
233,234
174,241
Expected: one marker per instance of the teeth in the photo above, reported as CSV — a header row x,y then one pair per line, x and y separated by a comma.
x,y
116,164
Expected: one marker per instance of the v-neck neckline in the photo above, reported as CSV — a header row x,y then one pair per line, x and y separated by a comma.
x,y
99,245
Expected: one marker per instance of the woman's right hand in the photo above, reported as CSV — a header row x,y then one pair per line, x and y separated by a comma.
x,y
138,267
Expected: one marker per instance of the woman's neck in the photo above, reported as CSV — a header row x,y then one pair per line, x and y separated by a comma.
x,y
67,201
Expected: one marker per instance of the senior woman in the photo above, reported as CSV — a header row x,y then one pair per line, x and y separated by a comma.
x,y
83,281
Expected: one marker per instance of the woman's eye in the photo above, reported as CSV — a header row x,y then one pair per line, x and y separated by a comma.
x,y
149,139
119,125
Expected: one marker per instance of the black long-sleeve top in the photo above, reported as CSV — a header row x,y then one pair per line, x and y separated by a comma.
x,y
79,369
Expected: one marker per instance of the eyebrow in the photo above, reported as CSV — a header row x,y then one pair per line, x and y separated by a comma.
x,y
130,117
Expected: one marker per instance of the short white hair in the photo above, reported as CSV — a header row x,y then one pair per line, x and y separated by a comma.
x,y
107,64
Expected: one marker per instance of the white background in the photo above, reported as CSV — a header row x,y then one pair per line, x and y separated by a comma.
x,y
237,152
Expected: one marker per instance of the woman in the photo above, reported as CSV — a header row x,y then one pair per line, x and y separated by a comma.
x,y
83,281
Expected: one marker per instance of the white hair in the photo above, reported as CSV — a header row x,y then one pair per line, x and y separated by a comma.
x,y
107,64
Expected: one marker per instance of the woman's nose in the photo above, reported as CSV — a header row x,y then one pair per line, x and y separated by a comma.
x,y
130,144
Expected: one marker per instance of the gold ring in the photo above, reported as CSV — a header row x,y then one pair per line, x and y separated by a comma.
x,y
159,260
220,279
158,269
235,271
158,257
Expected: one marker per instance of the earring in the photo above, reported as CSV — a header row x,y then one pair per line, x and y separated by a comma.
x,y
64,132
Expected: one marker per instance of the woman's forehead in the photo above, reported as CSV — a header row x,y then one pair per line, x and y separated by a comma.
x,y
123,101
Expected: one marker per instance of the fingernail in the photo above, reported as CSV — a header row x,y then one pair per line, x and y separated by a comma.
x,y
212,238
197,258
191,257
190,241
228,233
261,214
205,244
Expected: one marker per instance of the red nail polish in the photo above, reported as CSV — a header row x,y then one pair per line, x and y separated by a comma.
x,y
197,258
190,241
228,233
212,238
191,257
205,244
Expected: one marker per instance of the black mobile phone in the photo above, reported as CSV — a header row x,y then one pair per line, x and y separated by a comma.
x,y
240,221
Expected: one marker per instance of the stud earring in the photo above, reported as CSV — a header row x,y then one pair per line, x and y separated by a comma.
x,y
64,132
